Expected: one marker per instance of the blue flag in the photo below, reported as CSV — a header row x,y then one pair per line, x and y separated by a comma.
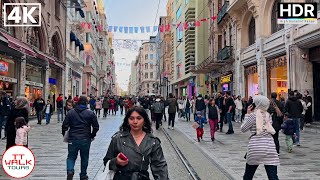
x,y
126,30
148,29
110,28
136,29
115,28
121,29
142,29
131,30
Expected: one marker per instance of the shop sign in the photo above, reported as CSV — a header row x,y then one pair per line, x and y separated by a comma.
x,y
34,84
8,79
226,79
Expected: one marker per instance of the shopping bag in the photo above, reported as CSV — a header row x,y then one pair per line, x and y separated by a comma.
x,y
195,125
106,174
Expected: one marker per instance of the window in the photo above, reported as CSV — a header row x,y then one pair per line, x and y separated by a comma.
x,y
57,8
146,75
274,24
146,56
179,55
151,56
219,42
252,31
178,13
146,66
224,39
151,48
187,2
230,35
151,66
33,37
88,38
151,75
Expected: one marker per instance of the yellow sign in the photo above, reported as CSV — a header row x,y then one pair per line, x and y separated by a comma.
x,y
225,79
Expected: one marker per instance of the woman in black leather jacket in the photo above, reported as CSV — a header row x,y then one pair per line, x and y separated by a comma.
x,y
136,141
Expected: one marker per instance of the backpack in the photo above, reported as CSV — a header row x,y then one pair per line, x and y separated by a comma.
x,y
291,128
157,107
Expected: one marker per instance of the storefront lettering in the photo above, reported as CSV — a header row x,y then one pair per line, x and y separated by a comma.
x,y
34,83
226,79
8,79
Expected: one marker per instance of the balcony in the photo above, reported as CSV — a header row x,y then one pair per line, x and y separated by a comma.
x,y
225,53
223,11
88,69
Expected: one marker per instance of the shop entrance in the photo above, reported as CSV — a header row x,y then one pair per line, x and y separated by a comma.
x,y
316,85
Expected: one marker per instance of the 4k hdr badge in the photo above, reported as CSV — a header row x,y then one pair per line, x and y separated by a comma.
x,y
18,162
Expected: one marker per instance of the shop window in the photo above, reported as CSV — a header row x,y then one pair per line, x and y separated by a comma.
x,y
54,49
252,31
274,24
277,76
251,74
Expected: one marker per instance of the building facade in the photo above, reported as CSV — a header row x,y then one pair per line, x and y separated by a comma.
x,y
35,56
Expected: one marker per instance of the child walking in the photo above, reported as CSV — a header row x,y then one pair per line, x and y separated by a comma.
x,y
49,111
98,107
200,120
289,128
21,132
213,116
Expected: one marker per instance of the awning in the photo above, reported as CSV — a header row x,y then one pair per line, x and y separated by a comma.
x,y
81,13
78,42
45,57
81,47
73,37
18,45
208,65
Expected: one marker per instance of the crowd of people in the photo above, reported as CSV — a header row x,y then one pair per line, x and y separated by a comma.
x,y
263,117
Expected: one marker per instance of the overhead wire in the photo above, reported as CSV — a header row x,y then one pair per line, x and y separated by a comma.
x,y
155,20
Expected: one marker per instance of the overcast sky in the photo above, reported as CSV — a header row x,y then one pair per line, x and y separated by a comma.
x,y
131,13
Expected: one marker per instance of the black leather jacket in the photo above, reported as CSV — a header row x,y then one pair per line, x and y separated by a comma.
x,y
149,152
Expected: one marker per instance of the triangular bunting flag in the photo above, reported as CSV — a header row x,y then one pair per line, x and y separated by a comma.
x,y
121,29
126,30
89,26
214,18
142,29
186,25
136,29
162,28
168,27
131,30
148,29
115,28
203,20
155,28
83,24
197,24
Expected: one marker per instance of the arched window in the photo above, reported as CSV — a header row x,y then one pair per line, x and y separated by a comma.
x,y
274,14
57,8
33,37
9,29
54,49
252,31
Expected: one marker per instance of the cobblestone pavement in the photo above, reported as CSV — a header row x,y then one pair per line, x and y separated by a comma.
x,y
46,143
228,151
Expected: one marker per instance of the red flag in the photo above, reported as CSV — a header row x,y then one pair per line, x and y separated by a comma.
x,y
89,25
197,24
83,24
161,28
168,27
214,18
203,20
186,25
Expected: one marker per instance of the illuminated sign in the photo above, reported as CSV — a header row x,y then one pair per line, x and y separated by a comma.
x,y
226,79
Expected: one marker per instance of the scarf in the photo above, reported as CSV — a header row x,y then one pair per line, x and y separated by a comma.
x,y
263,124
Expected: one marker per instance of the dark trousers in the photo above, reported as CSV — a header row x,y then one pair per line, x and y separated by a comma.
x,y
98,112
164,116
3,122
39,116
276,141
251,169
158,118
73,148
172,116
302,121
220,124
121,110
105,112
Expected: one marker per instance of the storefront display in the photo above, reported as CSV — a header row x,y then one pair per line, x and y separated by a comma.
x,y
252,81
8,81
277,76
225,82
32,93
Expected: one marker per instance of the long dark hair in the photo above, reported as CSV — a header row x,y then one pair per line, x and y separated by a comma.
x,y
147,124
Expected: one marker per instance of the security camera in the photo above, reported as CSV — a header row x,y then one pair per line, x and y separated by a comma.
x,y
304,56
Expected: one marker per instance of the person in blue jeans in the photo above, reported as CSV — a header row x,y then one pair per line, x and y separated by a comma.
x,y
79,122
48,111
229,104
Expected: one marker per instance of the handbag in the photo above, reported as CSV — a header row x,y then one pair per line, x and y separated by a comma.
x,y
106,174
195,125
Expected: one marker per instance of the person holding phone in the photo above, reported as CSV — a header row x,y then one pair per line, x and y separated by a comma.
x,y
134,148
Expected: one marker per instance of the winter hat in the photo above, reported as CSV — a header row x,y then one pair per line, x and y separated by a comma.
x,y
199,112
200,95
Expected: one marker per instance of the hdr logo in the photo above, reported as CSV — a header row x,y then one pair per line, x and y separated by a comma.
x,y
297,13
22,14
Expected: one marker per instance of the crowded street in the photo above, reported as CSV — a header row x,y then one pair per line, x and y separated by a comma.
x,y
222,159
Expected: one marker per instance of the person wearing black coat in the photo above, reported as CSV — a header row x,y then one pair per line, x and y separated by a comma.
x,y
276,120
20,110
38,105
5,107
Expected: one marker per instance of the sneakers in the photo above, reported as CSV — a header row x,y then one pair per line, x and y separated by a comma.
x,y
230,132
172,128
169,127
212,139
70,175
84,178
198,139
289,150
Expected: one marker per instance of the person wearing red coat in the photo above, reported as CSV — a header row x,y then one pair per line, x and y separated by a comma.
x,y
112,103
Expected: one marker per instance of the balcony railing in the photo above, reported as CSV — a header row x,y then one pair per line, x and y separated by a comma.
x,y
225,53
223,11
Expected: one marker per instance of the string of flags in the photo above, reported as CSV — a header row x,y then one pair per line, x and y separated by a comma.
x,y
162,28
132,45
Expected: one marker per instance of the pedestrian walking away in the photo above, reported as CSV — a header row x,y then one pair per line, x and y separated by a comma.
x,y
261,148
78,123
39,104
172,110
21,132
5,108
157,108
229,104
289,129
134,149
60,108
214,117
